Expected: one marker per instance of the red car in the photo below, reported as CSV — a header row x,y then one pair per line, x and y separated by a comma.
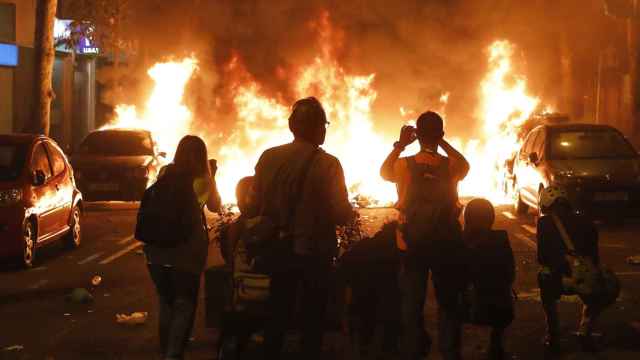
x,y
39,201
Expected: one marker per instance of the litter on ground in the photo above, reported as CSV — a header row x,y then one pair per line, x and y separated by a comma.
x,y
14,348
135,318
634,260
80,296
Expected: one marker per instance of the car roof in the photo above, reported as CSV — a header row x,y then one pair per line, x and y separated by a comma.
x,y
17,139
579,127
122,130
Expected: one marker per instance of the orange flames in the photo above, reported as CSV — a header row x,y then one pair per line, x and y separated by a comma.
x,y
262,122
164,114
505,106
352,137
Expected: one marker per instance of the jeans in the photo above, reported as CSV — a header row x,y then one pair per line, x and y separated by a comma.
x,y
178,299
308,276
376,301
414,278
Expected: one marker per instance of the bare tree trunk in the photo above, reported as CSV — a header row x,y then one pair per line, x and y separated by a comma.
x,y
45,56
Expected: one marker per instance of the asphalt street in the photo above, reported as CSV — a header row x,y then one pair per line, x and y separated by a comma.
x,y
38,322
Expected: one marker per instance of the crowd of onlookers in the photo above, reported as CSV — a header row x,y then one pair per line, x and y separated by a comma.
x,y
286,230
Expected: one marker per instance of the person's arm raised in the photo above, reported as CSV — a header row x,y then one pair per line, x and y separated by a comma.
x,y
459,162
407,136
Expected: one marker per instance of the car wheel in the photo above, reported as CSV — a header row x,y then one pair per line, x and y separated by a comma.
x,y
520,207
28,245
75,233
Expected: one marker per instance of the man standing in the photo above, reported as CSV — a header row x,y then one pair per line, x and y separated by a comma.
x,y
302,189
430,234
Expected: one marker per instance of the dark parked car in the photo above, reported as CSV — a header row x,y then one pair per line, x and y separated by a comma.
x,y
595,163
116,164
39,201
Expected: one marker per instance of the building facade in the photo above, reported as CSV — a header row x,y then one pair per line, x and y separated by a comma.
x,y
73,107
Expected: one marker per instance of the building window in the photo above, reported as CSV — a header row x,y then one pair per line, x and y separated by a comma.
x,y
7,22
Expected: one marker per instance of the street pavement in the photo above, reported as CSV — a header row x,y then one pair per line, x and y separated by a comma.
x,y
37,321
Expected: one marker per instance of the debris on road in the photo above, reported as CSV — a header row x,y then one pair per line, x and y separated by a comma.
x,y
80,296
96,280
14,348
633,260
135,318
532,295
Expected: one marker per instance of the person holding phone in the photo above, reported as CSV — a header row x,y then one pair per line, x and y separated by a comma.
x,y
175,271
429,236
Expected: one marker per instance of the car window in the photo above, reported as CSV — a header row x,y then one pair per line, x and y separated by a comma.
x,y
528,143
117,143
590,144
538,144
12,159
40,161
57,159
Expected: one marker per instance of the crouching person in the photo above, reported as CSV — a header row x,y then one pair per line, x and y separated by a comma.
x,y
491,273
569,256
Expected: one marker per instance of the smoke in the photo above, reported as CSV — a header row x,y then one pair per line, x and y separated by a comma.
x,y
418,49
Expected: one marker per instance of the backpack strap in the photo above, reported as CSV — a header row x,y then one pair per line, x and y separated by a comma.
x,y
563,233
300,185
412,165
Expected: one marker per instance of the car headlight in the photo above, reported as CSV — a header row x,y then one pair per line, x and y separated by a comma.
x,y
10,197
140,172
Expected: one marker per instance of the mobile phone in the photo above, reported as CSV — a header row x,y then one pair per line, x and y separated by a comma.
x,y
213,165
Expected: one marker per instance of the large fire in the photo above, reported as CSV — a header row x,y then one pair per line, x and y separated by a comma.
x,y
505,106
261,122
164,113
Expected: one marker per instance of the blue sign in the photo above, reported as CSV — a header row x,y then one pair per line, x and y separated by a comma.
x,y
8,55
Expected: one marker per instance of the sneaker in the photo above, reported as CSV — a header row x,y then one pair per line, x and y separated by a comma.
x,y
426,348
496,352
587,343
551,344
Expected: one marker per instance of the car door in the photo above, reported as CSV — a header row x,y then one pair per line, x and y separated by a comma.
x,y
44,195
61,180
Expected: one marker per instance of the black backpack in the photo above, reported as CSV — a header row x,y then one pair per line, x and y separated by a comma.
x,y
169,211
431,204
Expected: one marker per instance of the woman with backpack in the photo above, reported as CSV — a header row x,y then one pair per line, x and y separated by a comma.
x,y
175,265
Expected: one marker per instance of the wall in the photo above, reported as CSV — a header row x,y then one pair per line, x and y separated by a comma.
x,y
25,21
7,34
23,83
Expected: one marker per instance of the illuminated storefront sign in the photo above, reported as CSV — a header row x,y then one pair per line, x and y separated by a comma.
x,y
63,31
